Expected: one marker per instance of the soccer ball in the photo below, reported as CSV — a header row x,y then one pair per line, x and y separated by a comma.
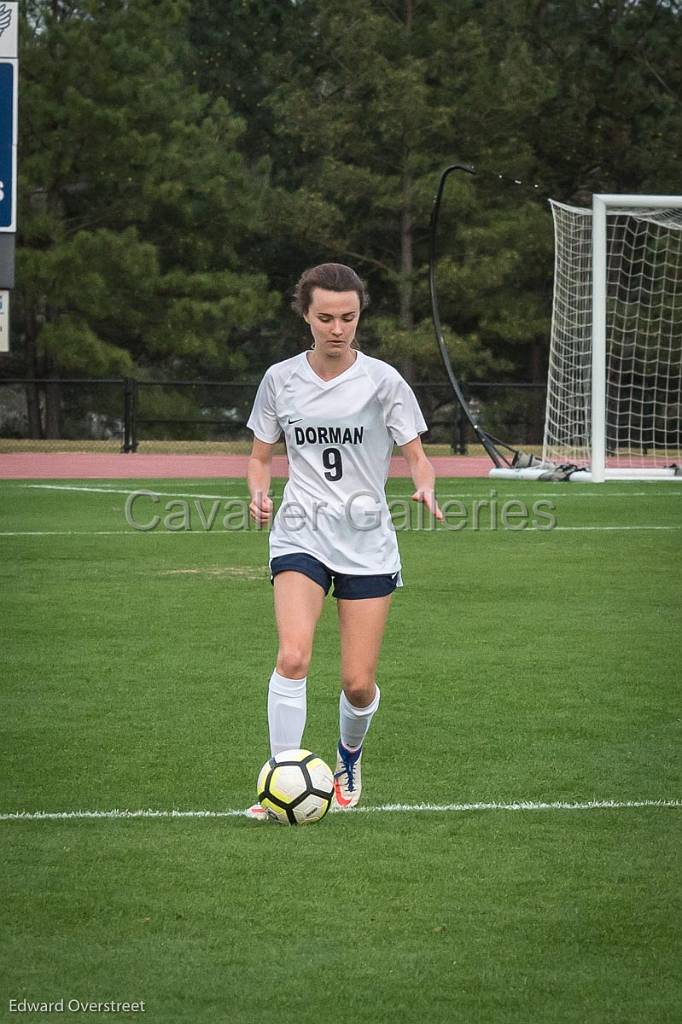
x,y
296,787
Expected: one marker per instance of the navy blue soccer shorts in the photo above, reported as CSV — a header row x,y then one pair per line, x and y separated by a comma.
x,y
346,586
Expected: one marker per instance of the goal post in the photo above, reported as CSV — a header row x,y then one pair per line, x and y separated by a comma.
x,y
598,389
614,388
636,307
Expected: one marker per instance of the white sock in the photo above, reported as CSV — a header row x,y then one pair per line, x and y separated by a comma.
x,y
286,712
354,722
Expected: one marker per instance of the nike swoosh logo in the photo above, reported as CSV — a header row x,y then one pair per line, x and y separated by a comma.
x,y
296,421
340,798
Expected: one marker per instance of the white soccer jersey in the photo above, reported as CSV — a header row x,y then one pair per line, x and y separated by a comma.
x,y
339,435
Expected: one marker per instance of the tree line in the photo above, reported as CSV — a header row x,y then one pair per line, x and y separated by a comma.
x,y
181,163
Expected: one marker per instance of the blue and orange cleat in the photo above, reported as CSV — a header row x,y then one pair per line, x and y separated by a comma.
x,y
347,777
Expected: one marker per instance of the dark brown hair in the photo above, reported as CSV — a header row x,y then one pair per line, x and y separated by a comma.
x,y
333,277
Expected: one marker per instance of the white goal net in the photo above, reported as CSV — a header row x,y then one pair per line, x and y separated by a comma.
x,y
614,401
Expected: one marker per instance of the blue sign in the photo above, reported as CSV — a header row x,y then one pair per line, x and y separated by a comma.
x,y
7,146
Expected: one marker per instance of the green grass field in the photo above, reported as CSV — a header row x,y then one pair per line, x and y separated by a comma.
x,y
537,666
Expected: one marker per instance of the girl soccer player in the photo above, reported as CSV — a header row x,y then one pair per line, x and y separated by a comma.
x,y
341,412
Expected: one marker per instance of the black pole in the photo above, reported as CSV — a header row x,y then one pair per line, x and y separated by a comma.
x,y
130,392
484,439
461,432
134,396
126,415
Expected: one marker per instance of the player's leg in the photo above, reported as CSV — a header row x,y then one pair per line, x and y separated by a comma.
x,y
298,604
361,625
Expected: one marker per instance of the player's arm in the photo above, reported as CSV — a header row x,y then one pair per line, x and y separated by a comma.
x,y
423,476
258,478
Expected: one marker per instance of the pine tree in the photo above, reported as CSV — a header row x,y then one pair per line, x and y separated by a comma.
x,y
136,203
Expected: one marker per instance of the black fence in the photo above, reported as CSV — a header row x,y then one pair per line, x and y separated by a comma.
x,y
128,415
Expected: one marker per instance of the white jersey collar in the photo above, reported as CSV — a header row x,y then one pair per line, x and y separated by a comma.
x,y
343,376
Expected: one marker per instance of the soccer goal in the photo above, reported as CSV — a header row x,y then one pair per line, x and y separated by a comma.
x,y
614,396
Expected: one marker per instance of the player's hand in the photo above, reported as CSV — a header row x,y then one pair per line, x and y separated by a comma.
x,y
428,498
260,509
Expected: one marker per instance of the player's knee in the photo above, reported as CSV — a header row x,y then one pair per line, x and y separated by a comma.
x,y
293,662
359,689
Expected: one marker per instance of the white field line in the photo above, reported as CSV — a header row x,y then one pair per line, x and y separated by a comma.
x,y
521,805
559,494
239,482
136,490
61,533
107,533
675,527
197,533
485,528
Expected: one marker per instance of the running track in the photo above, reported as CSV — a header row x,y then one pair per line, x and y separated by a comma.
x,y
105,466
